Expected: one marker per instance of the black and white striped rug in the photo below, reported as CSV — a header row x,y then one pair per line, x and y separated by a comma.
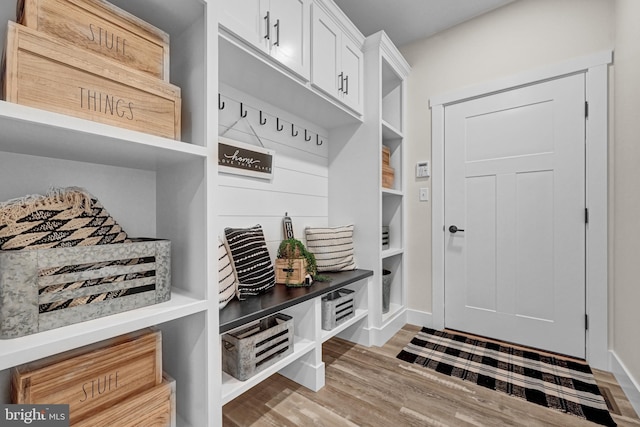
x,y
556,383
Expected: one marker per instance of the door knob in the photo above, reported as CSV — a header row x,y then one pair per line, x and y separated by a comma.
x,y
454,229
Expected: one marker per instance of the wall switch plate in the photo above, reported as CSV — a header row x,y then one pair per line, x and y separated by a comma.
x,y
424,194
422,170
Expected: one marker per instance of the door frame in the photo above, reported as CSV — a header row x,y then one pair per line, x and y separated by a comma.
x,y
595,68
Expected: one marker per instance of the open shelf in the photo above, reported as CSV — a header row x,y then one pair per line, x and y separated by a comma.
x,y
390,132
392,192
360,314
32,131
233,387
394,310
391,252
33,347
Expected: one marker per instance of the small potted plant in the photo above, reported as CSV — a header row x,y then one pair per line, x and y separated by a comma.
x,y
295,265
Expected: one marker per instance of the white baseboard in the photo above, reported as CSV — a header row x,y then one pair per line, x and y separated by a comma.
x,y
629,385
419,318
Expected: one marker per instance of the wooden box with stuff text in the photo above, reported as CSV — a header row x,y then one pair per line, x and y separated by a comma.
x,y
102,28
94,378
45,72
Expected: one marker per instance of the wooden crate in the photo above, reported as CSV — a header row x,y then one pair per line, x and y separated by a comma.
x,y
154,407
388,176
45,72
386,156
101,28
337,307
254,347
294,274
92,378
42,289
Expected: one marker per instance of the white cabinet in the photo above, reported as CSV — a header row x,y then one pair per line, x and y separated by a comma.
x,y
336,61
278,28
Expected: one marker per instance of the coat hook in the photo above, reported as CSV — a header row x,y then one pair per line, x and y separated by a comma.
x,y
262,121
220,103
306,137
318,141
279,127
292,132
243,112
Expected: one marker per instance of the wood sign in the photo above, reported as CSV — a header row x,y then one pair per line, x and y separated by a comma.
x,y
244,159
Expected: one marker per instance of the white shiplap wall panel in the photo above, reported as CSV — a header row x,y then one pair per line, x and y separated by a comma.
x,y
301,175
259,203
284,181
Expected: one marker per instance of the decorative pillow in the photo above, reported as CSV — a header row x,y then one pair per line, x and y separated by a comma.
x,y
62,218
332,247
251,259
227,281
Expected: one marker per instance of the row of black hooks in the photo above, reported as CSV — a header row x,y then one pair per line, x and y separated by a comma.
x,y
279,123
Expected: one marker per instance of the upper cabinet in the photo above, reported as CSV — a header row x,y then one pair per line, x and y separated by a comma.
x,y
336,61
278,28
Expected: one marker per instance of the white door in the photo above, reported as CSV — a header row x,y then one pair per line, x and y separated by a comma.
x,y
515,189
290,40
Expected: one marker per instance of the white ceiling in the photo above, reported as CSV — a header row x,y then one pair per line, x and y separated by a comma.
x,y
405,21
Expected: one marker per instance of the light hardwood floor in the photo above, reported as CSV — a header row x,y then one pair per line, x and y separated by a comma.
x,y
370,387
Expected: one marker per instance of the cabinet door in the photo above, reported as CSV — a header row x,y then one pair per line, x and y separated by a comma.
x,y
289,34
352,68
325,60
246,19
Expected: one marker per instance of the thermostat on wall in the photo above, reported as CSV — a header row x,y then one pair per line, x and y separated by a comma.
x,y
422,169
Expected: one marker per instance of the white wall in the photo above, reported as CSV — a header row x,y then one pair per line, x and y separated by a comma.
x,y
301,174
524,35
625,227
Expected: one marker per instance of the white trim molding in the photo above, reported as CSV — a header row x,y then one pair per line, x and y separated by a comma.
x,y
595,68
419,318
629,385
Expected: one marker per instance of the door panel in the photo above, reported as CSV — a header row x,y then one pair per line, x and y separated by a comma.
x,y
326,47
514,181
481,271
289,40
245,20
352,69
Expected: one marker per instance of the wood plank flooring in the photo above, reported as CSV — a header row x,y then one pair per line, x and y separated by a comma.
x,y
368,386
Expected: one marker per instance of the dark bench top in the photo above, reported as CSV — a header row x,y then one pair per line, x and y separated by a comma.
x,y
238,313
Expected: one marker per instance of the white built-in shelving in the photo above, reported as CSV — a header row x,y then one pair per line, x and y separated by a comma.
x,y
356,184
153,186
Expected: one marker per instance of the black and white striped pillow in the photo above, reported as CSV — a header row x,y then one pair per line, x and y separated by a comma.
x,y
227,280
332,247
251,259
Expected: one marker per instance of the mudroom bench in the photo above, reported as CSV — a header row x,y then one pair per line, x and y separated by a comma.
x,y
304,305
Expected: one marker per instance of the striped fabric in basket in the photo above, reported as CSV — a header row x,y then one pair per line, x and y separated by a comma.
x,y
332,247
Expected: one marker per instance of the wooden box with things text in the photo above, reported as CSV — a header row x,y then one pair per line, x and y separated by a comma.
x,y
94,378
102,28
45,72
